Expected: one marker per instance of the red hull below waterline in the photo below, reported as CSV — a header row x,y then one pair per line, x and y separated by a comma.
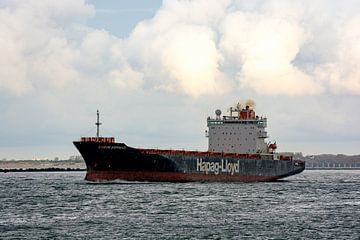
x,y
172,177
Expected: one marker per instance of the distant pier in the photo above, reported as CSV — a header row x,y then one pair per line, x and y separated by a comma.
x,y
334,166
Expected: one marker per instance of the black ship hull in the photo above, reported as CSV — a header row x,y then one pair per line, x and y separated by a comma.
x,y
112,161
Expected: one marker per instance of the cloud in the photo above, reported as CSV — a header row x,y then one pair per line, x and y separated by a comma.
x,y
12,67
36,46
126,78
342,73
194,48
177,49
187,58
47,46
273,47
263,49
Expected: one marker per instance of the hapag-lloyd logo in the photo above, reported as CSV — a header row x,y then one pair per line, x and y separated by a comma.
x,y
217,167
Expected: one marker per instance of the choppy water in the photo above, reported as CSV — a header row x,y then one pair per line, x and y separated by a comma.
x,y
312,205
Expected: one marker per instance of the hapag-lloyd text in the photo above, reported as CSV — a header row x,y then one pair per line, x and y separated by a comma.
x,y
217,167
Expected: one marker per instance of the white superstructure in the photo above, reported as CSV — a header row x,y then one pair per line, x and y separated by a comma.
x,y
241,132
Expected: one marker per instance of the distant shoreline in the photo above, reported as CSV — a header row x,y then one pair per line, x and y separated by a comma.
x,y
43,170
326,168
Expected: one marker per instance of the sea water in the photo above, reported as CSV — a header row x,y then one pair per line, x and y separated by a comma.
x,y
61,205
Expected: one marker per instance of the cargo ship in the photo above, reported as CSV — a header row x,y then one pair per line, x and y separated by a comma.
x,y
237,152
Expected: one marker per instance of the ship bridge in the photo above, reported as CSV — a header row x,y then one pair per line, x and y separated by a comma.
x,y
240,132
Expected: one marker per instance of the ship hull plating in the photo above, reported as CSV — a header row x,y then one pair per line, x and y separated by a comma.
x,y
116,161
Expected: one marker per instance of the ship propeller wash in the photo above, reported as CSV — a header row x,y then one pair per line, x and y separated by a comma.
x,y
237,151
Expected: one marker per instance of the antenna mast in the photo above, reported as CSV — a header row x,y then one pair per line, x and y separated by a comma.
x,y
98,123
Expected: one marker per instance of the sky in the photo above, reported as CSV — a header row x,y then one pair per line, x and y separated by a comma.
x,y
157,69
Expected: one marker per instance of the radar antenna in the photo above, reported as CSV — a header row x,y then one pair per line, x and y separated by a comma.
x,y
238,107
98,123
218,114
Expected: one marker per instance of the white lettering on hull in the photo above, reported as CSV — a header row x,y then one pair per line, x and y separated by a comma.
x,y
217,167
112,147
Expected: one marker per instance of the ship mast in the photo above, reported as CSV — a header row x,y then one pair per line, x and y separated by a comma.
x,y
98,123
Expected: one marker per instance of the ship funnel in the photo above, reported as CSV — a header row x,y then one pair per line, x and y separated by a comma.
x,y
250,103
247,104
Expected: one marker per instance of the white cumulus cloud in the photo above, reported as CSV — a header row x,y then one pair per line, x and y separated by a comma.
x,y
342,73
47,45
263,49
35,45
126,78
189,47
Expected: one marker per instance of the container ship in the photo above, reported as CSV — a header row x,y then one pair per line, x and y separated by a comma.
x,y
237,152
